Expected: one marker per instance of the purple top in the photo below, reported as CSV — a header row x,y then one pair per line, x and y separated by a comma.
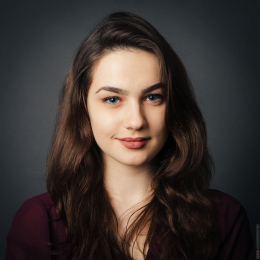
x,y
32,228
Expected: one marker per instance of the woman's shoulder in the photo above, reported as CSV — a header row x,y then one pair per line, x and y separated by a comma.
x,y
41,200
233,225
39,207
223,200
33,214
33,229
30,229
220,195
226,205
228,209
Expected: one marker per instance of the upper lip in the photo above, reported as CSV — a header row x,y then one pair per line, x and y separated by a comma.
x,y
130,139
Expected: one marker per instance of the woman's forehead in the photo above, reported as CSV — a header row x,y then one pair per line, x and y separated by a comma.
x,y
125,69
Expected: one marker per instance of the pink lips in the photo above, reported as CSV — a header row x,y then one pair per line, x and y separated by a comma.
x,y
133,143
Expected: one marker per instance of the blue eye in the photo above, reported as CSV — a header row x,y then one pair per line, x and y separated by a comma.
x,y
111,100
155,97
152,97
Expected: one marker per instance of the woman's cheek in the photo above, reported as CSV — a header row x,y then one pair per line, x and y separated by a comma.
x,y
105,122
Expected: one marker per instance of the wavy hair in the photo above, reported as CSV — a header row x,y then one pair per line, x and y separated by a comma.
x,y
181,211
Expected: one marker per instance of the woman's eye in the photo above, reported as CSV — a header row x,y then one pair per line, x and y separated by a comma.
x,y
155,97
115,100
111,100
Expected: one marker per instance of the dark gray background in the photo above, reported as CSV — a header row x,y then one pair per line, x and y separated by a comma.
x,y
218,42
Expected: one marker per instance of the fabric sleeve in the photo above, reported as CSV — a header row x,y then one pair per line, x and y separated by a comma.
x,y
237,243
29,234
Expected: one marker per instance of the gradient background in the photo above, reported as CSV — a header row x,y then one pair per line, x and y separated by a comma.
x,y
218,41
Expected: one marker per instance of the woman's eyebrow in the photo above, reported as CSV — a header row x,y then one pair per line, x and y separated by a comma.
x,y
125,92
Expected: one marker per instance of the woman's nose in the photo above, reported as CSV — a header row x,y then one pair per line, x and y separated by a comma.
x,y
135,117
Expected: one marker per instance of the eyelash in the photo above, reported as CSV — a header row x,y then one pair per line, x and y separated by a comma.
x,y
155,95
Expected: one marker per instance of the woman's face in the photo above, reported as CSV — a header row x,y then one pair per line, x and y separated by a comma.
x,y
125,101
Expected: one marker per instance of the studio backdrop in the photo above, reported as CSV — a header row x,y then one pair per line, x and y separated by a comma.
x,y
218,41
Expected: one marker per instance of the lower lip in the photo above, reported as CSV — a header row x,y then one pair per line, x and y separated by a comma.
x,y
133,145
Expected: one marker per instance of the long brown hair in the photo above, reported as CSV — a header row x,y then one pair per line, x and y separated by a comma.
x,y
181,212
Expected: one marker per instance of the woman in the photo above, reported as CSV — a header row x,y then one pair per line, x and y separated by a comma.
x,y
129,171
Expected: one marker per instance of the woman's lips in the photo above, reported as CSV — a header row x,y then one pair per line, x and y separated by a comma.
x,y
132,143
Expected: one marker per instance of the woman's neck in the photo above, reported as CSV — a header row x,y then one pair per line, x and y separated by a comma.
x,y
127,186
129,189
